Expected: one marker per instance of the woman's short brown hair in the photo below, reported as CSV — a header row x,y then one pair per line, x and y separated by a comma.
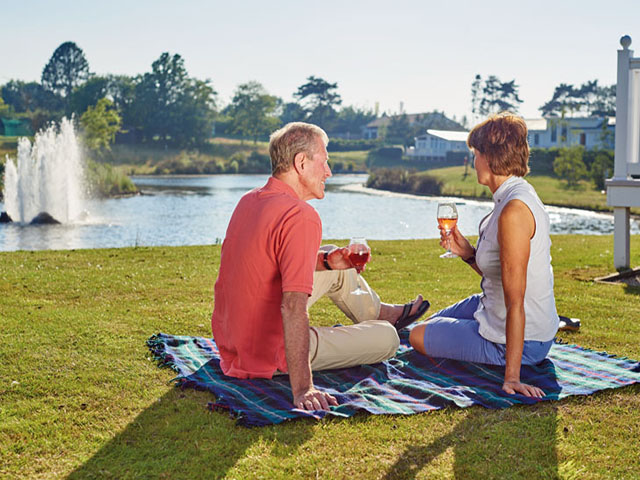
x,y
502,139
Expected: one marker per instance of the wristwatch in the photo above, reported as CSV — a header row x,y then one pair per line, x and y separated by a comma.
x,y
325,261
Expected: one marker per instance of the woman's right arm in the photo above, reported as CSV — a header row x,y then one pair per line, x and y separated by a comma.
x,y
460,246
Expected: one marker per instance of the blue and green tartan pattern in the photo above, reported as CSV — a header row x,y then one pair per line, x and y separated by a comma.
x,y
408,383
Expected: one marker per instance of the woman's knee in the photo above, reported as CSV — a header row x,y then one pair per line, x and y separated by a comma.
x,y
416,338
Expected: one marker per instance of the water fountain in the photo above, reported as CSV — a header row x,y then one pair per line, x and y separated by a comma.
x,y
46,183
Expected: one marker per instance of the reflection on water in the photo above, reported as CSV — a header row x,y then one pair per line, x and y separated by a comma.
x,y
183,210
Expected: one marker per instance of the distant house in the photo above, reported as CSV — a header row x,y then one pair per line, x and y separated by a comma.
x,y
436,144
590,132
435,120
15,127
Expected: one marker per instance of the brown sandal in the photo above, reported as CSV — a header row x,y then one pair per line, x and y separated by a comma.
x,y
404,320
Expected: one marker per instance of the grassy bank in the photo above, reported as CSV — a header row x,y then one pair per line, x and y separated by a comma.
x,y
219,155
80,397
552,191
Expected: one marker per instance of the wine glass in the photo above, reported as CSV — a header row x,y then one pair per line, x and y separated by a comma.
x,y
447,219
359,256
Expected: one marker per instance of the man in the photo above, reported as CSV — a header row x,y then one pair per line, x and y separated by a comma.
x,y
272,269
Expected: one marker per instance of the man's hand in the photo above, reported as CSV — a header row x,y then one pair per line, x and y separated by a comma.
x,y
513,387
313,399
295,321
339,260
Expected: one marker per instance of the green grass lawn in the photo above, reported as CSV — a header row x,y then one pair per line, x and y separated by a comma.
x,y
81,398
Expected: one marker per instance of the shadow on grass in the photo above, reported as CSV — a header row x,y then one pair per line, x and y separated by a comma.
x,y
177,437
519,442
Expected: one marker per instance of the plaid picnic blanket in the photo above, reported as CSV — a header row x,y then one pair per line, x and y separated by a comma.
x,y
408,383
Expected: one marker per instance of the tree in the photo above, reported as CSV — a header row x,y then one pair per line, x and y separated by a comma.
x,y
88,94
319,99
351,120
67,68
194,113
252,111
587,99
291,112
29,97
4,108
156,94
120,89
493,96
569,165
100,125
170,106
399,130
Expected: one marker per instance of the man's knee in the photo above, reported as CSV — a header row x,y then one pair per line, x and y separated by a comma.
x,y
386,340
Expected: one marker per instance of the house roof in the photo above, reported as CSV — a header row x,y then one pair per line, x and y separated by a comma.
x,y
449,135
538,124
429,119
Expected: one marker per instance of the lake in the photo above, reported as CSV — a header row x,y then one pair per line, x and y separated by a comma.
x,y
195,210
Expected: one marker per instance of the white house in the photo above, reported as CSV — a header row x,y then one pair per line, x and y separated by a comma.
x,y
590,132
376,128
435,144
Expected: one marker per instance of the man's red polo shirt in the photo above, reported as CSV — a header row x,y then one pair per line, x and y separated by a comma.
x,y
271,246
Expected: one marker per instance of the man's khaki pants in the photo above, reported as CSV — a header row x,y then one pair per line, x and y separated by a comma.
x,y
367,341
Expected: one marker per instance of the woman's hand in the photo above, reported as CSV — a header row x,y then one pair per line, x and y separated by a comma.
x,y
513,387
459,244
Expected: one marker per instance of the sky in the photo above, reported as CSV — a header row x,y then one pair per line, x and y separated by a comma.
x,y
415,55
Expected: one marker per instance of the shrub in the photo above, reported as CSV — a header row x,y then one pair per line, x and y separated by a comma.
x,y
570,166
337,166
404,181
233,167
104,180
601,167
257,163
541,160
426,185
384,157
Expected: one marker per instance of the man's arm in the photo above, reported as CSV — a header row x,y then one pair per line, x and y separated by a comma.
x,y
338,259
296,344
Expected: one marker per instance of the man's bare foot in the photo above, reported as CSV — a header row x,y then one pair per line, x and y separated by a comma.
x,y
392,312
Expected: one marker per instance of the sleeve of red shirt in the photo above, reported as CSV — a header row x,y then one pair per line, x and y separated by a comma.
x,y
297,250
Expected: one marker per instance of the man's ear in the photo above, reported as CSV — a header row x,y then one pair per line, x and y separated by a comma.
x,y
299,161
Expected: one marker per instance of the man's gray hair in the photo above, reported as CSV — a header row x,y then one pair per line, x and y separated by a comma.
x,y
293,138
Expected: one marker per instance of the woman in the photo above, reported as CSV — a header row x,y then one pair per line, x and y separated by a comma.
x,y
514,320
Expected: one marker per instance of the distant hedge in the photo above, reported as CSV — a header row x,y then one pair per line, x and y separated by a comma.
x,y
541,159
404,181
392,157
343,145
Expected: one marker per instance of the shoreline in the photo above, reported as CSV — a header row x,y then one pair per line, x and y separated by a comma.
x,y
478,200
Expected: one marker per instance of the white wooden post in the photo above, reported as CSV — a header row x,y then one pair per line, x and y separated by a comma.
x,y
622,110
623,191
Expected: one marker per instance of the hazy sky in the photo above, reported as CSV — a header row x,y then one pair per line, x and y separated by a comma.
x,y
424,54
